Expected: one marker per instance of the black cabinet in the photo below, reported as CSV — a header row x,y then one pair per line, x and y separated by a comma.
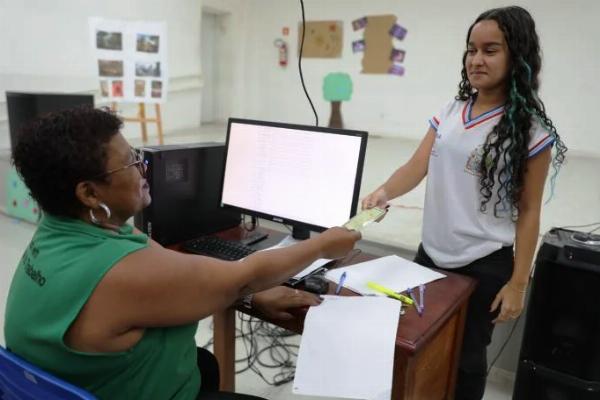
x,y
560,353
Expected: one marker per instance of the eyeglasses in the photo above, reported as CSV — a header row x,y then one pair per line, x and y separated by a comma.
x,y
140,164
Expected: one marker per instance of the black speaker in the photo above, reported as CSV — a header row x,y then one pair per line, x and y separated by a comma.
x,y
185,187
560,352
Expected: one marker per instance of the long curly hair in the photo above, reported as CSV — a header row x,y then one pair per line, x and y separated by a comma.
x,y
505,150
58,150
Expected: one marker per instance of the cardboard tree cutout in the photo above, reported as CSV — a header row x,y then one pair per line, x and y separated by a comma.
x,y
337,87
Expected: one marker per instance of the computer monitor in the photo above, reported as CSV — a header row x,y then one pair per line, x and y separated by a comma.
x,y
23,107
304,176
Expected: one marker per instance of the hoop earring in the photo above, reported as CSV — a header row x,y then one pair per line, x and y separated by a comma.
x,y
105,208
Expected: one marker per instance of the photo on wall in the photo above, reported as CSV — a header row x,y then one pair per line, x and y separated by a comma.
x,y
397,55
151,69
117,88
104,88
156,89
140,88
109,40
147,43
110,68
359,23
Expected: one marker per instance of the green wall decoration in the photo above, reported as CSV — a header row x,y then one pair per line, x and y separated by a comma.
x,y
19,203
337,87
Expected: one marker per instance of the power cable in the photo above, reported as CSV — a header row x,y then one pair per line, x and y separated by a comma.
x,y
300,64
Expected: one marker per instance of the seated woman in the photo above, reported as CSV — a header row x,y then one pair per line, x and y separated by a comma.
x,y
99,304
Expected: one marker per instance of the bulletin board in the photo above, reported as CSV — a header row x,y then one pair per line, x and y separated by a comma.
x,y
131,59
382,35
323,39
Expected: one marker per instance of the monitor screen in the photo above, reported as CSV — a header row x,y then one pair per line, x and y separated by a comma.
x,y
305,176
23,107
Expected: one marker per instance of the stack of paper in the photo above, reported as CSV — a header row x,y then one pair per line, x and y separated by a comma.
x,y
393,272
347,348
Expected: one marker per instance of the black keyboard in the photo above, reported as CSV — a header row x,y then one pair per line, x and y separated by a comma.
x,y
214,246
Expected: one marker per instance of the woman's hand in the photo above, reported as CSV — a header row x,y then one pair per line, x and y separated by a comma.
x,y
276,302
378,198
511,302
336,242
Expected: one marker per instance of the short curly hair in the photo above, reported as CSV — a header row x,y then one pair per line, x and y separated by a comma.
x,y
58,150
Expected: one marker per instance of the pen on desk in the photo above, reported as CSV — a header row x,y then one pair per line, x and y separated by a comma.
x,y
422,296
389,292
412,296
340,283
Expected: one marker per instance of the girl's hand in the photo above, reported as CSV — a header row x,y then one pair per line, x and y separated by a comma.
x,y
378,198
511,302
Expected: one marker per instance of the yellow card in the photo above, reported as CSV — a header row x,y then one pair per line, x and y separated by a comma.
x,y
364,218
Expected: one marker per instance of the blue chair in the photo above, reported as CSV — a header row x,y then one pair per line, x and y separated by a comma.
x,y
20,380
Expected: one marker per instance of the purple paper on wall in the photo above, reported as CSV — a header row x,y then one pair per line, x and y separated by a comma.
x,y
359,23
397,55
398,31
358,45
396,69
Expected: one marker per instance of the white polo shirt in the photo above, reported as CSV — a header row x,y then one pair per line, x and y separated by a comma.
x,y
455,231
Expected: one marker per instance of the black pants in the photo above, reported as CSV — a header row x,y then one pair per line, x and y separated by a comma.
x,y
209,371
491,273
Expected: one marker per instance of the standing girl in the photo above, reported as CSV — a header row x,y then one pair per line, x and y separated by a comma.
x,y
486,157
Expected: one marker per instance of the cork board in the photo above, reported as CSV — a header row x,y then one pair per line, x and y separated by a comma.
x,y
324,39
378,44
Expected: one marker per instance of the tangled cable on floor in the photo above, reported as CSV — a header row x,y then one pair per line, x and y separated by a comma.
x,y
266,347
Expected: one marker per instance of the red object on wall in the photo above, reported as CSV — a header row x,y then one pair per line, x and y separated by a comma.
x,y
283,54
285,31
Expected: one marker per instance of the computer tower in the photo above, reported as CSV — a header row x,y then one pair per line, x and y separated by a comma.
x,y
560,352
185,187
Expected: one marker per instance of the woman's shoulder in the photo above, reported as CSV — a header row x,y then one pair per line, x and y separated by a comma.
x,y
71,240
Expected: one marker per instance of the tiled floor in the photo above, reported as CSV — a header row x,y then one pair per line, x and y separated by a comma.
x,y
576,201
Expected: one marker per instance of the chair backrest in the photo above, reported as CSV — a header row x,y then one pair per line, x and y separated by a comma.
x,y
20,380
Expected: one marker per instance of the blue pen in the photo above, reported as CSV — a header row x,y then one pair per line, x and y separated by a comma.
x,y
412,296
422,297
338,289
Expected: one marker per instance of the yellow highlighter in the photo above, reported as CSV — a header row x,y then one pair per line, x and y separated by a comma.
x,y
389,292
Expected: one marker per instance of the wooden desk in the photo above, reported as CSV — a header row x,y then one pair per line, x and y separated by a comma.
x,y
427,347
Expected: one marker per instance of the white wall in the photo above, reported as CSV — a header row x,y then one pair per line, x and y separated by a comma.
x,y
395,106
232,50
45,46
209,26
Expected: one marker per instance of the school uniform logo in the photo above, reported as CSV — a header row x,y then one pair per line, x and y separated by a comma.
x,y
473,165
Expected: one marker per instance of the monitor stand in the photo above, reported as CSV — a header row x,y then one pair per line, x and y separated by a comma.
x,y
300,233
253,237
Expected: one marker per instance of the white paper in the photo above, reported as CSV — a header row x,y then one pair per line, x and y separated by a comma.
x,y
393,272
312,267
288,241
131,59
347,348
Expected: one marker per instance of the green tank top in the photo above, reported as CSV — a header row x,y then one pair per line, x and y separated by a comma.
x,y
58,272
